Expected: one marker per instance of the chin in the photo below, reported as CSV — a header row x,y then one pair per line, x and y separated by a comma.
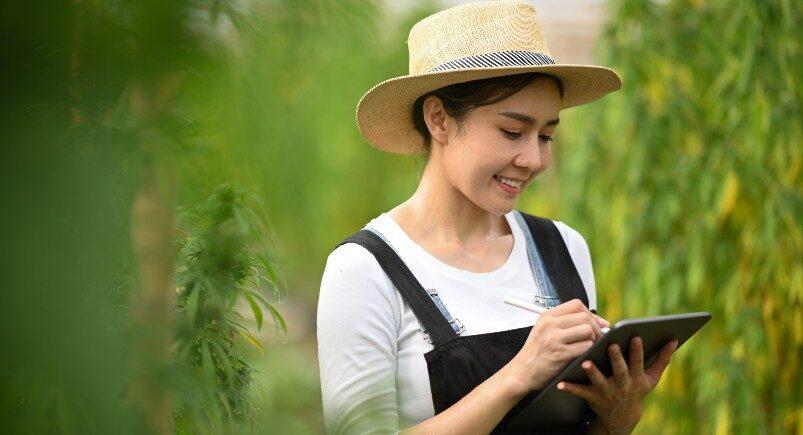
x,y
507,209
495,205
501,209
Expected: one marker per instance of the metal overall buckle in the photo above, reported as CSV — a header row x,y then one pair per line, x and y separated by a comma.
x,y
456,324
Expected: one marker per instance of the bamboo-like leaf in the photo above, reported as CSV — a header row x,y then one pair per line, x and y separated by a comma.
x,y
239,325
193,304
259,296
223,357
255,308
225,402
206,361
277,316
253,340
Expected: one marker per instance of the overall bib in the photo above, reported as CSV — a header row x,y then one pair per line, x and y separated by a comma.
x,y
458,364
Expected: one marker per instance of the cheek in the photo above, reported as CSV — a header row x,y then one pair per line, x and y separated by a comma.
x,y
472,176
473,163
471,160
546,158
482,183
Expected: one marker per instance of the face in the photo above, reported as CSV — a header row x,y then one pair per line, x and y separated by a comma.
x,y
508,139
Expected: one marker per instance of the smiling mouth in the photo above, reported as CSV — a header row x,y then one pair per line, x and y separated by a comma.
x,y
508,188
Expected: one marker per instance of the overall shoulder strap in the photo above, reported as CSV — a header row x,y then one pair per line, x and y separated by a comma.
x,y
556,257
425,310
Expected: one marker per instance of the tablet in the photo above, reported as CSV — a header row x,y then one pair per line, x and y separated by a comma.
x,y
551,407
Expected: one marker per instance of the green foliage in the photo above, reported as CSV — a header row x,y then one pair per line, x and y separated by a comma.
x,y
98,89
64,365
687,186
223,259
63,330
288,101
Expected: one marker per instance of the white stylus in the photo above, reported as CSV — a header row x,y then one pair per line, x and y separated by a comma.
x,y
535,308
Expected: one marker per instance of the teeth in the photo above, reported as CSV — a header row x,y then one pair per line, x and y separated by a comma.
x,y
509,182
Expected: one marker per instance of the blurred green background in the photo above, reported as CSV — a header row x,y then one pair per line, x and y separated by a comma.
x,y
174,175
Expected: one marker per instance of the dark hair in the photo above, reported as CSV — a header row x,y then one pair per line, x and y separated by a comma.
x,y
460,99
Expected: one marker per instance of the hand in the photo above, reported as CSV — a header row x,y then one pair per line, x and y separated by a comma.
x,y
618,400
561,334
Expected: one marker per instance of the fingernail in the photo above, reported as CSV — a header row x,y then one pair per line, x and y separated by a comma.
x,y
561,386
587,364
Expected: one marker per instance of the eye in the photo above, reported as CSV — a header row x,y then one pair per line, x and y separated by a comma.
x,y
511,134
517,134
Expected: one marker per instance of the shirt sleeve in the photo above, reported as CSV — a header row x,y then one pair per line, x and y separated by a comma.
x,y
578,249
357,322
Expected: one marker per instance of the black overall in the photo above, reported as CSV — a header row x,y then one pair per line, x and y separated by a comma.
x,y
458,364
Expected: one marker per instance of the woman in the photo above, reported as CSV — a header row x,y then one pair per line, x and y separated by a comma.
x,y
412,329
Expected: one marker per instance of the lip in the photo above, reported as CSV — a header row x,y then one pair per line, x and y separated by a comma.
x,y
509,189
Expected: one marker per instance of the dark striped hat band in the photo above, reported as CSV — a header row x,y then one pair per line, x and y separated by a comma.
x,y
500,58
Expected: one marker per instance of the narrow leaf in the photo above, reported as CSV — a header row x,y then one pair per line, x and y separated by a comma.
x,y
255,308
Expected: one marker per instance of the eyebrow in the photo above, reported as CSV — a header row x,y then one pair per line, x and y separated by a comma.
x,y
526,119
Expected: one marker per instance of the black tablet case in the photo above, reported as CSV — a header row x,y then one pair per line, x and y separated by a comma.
x,y
552,407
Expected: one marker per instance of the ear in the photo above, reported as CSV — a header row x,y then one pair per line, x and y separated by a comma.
x,y
435,117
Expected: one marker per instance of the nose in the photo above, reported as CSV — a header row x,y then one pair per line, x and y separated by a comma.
x,y
530,157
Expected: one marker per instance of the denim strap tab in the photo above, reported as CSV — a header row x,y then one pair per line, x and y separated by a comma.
x,y
545,295
557,261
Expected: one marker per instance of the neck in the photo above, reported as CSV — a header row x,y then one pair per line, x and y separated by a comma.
x,y
445,214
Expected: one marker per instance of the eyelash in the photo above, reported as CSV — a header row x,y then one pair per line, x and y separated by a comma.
x,y
515,135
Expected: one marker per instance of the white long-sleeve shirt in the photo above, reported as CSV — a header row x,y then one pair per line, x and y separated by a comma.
x,y
370,346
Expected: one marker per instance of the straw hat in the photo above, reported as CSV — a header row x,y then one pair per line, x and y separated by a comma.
x,y
463,43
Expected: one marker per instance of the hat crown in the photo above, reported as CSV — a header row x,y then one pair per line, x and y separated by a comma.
x,y
474,29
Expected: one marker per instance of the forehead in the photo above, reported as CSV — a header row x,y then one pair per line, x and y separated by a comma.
x,y
540,100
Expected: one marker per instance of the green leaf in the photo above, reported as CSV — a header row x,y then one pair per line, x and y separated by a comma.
x,y
206,361
225,361
277,316
253,340
259,296
192,304
255,308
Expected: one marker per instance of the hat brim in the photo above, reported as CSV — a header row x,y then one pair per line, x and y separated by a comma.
x,y
384,113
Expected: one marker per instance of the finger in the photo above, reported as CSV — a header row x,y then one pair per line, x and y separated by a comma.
x,y
568,320
602,322
577,333
617,362
573,350
656,369
636,356
584,391
572,306
597,329
596,376
582,314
